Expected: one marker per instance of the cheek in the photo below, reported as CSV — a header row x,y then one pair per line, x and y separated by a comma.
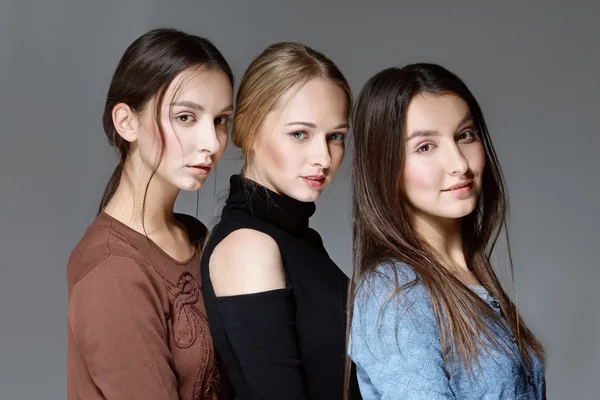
x,y
420,178
476,158
150,144
280,154
223,138
336,152
175,147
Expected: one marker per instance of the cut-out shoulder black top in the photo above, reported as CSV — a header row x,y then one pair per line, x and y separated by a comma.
x,y
287,343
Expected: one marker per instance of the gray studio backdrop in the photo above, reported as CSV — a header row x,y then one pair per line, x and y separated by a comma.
x,y
532,65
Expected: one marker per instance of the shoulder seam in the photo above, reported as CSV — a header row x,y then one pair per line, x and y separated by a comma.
x,y
105,259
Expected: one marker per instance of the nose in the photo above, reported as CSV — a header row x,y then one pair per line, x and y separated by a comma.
x,y
207,141
320,153
456,162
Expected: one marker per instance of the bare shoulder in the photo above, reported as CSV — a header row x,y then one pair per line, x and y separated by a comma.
x,y
246,261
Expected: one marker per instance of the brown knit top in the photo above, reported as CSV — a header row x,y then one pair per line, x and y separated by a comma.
x,y
137,326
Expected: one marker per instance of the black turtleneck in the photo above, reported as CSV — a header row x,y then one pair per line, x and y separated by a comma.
x,y
287,343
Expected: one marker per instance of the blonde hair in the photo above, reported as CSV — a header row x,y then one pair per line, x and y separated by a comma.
x,y
275,71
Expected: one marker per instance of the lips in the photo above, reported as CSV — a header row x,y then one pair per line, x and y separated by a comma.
x,y
202,169
460,185
314,181
315,177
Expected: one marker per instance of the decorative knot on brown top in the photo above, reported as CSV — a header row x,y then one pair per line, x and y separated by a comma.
x,y
186,317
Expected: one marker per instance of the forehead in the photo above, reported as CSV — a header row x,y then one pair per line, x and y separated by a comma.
x,y
198,83
316,100
440,112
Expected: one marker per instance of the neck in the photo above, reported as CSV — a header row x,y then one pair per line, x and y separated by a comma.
x,y
128,205
251,173
287,213
444,235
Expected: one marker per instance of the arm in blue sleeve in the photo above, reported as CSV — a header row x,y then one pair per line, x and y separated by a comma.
x,y
395,343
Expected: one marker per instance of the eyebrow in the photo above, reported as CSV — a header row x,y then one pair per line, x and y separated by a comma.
x,y
427,133
196,106
314,126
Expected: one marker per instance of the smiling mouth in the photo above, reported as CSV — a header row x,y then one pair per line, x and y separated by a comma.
x,y
460,190
459,186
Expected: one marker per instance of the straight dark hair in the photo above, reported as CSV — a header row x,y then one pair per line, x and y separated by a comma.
x,y
383,232
145,71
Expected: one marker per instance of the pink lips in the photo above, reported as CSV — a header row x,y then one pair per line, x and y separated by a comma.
x,y
314,181
461,187
201,169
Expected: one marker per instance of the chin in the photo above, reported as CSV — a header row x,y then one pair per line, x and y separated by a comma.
x,y
305,195
190,185
458,212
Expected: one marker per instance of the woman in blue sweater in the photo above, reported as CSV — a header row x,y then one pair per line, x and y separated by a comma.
x,y
429,317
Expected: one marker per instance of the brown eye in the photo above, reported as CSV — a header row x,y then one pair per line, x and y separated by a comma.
x,y
185,118
467,135
221,120
425,148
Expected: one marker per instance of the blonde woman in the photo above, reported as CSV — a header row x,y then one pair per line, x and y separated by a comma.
x,y
274,298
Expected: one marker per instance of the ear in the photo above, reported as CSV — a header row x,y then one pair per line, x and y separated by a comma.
x,y
126,122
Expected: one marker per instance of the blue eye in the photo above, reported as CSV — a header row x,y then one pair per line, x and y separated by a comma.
x,y
337,136
298,135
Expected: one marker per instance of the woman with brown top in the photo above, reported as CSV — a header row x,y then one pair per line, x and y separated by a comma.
x,y
137,326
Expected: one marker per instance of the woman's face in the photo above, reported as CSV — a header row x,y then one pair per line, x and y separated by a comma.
x,y
300,145
444,157
196,108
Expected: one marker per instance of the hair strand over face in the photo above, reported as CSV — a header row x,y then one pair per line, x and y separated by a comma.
x,y
145,71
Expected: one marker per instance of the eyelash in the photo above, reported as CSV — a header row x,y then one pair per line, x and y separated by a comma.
x,y
472,132
225,119
178,118
422,148
293,135
341,137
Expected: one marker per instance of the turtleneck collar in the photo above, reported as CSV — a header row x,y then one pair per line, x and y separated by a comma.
x,y
287,213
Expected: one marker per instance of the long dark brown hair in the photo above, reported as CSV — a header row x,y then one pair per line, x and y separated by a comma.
x,y
383,232
145,71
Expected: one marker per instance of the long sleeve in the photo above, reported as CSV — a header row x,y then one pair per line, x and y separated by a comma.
x,y
117,322
395,342
261,329
540,379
